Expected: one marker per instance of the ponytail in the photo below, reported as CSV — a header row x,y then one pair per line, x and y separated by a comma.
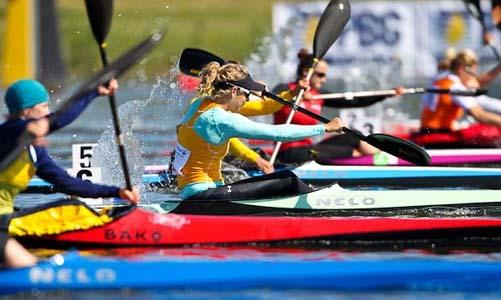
x,y
207,79
305,62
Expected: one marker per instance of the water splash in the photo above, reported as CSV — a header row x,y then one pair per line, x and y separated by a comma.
x,y
148,115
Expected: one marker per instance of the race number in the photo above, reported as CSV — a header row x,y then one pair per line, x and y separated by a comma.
x,y
357,119
83,165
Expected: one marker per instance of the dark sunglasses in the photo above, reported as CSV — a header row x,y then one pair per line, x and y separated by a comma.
x,y
247,95
320,74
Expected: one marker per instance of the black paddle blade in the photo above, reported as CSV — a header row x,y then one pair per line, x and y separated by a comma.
x,y
116,68
401,148
113,70
100,13
331,24
193,60
473,7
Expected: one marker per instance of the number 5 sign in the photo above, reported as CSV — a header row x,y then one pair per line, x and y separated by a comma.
x,y
83,166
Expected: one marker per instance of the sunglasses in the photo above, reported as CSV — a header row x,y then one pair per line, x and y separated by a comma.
x,y
246,93
320,74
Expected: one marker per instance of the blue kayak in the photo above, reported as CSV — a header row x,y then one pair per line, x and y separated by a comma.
x,y
364,273
312,172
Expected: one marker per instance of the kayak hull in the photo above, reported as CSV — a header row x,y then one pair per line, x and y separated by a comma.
x,y
74,272
438,158
143,228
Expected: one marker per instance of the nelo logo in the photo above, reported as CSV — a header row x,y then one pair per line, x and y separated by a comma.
x,y
345,201
69,275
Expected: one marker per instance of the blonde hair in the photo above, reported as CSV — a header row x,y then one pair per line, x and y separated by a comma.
x,y
213,73
445,63
466,58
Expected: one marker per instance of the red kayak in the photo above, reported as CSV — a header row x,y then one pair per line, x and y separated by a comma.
x,y
143,228
474,136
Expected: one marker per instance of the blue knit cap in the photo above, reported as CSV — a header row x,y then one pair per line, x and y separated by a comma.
x,y
24,94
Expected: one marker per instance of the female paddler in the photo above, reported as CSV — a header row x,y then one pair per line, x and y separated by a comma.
x,y
213,119
27,103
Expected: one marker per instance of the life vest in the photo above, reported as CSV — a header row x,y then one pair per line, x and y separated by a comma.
x,y
15,178
196,160
440,112
314,105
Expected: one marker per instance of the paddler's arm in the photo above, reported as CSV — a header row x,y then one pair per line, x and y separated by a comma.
x,y
239,149
217,126
264,106
79,106
52,173
486,78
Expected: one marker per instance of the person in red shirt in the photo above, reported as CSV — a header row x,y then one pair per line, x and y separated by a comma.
x,y
303,150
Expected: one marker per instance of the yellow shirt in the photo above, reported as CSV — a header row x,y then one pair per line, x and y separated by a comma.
x,y
14,179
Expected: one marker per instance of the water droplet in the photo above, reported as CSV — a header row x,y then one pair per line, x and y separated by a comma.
x,y
58,259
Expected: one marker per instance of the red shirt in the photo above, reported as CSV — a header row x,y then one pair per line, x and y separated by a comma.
x,y
314,105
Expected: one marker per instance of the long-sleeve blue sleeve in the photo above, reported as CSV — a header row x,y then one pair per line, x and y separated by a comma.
x,y
50,172
72,112
218,125
10,131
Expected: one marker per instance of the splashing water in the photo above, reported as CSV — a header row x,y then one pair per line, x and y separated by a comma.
x,y
165,99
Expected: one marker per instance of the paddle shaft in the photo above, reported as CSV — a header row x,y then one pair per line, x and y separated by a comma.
x,y
473,7
389,93
298,99
320,118
116,125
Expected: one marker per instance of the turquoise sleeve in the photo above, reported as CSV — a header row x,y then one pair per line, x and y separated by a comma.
x,y
216,126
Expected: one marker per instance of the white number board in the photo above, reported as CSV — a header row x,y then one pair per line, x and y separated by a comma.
x,y
83,166
357,119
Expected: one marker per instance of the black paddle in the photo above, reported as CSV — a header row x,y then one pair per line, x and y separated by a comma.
x,y
367,98
473,7
100,13
398,147
331,24
114,70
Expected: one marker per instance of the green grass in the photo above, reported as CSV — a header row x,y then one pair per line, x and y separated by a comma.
x,y
231,28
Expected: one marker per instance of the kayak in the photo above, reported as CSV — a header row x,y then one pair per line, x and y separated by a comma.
x,y
336,201
350,175
474,136
438,157
313,171
143,228
72,271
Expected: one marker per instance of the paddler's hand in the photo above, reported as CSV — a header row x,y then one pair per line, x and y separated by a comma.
x,y
264,166
109,89
399,91
132,196
487,38
301,84
334,125
39,129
